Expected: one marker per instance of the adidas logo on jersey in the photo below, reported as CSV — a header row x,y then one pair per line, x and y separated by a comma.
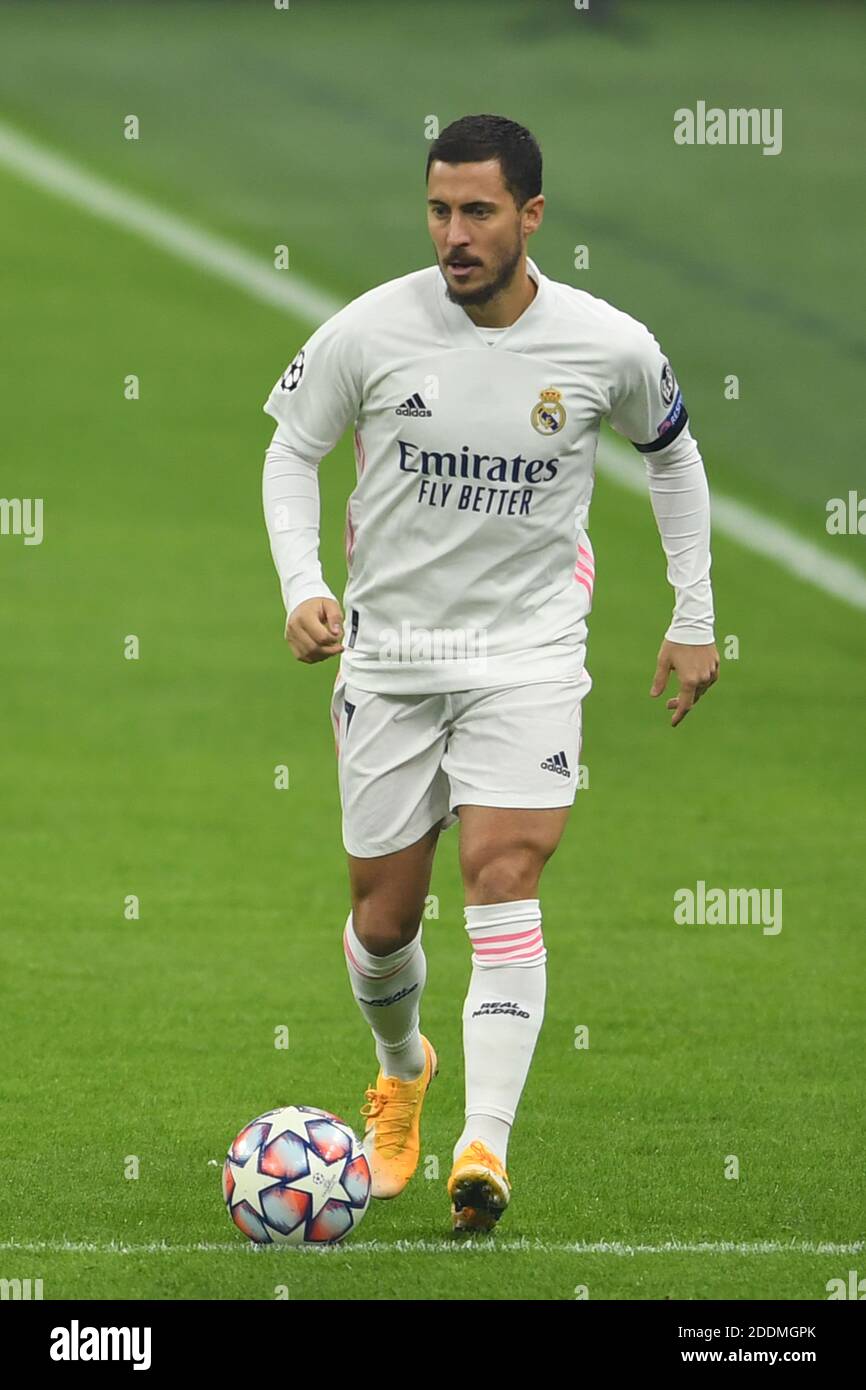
x,y
556,763
414,406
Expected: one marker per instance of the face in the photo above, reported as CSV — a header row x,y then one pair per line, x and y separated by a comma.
x,y
478,231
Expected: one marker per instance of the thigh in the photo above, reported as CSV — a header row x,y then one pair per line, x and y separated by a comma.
x,y
503,851
389,756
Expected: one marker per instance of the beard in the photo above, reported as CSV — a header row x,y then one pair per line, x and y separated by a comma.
x,y
502,276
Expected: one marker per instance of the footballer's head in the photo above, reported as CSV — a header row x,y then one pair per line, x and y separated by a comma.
x,y
483,201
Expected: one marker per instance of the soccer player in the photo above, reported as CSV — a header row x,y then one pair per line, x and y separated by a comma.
x,y
476,388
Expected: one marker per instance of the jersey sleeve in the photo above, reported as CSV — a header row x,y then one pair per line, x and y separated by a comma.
x,y
319,393
647,407
680,500
290,496
646,402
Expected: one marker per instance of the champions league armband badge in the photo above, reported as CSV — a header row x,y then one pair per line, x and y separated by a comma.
x,y
669,428
291,377
667,385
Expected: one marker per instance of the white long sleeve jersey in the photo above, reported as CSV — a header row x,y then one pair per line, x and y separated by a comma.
x,y
469,563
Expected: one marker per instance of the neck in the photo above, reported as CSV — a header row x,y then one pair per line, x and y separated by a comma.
x,y
507,306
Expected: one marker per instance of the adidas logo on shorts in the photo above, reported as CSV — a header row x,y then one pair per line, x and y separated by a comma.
x,y
414,406
556,763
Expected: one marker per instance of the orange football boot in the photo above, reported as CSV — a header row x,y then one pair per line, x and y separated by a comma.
x,y
392,1134
479,1189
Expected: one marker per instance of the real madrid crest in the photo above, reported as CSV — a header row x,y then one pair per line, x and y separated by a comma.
x,y
548,416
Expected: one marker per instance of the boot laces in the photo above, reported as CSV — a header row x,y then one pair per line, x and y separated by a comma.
x,y
487,1156
393,1115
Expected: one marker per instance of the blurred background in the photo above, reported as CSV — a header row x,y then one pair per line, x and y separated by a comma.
x,y
153,777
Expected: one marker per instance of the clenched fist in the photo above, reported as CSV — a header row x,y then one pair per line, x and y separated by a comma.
x,y
314,630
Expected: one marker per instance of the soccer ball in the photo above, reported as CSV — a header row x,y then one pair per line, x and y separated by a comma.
x,y
296,1176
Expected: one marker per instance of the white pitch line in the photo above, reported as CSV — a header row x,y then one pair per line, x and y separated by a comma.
x,y
204,250
441,1247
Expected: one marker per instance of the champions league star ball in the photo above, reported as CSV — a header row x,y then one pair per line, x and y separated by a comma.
x,y
296,1176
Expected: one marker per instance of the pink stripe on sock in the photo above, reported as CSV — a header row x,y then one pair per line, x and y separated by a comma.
x,y
357,967
506,957
510,935
580,579
485,951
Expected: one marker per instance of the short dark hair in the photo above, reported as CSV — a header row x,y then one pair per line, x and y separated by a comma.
x,y
474,139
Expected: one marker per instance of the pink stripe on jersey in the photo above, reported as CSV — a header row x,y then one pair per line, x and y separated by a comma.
x,y
360,465
335,721
584,569
360,453
349,534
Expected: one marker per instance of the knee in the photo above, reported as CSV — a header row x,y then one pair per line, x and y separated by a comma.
x,y
498,877
382,932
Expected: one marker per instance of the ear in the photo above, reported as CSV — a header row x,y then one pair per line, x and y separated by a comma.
x,y
533,214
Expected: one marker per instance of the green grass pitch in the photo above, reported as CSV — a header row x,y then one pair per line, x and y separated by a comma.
x,y
154,1038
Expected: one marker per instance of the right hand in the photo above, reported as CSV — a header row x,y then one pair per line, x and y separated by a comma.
x,y
314,629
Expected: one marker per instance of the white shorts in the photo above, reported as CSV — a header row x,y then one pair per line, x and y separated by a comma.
x,y
406,762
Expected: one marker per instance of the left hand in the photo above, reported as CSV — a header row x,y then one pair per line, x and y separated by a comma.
x,y
697,668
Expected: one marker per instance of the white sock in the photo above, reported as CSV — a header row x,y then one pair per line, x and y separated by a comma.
x,y
388,990
502,1016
